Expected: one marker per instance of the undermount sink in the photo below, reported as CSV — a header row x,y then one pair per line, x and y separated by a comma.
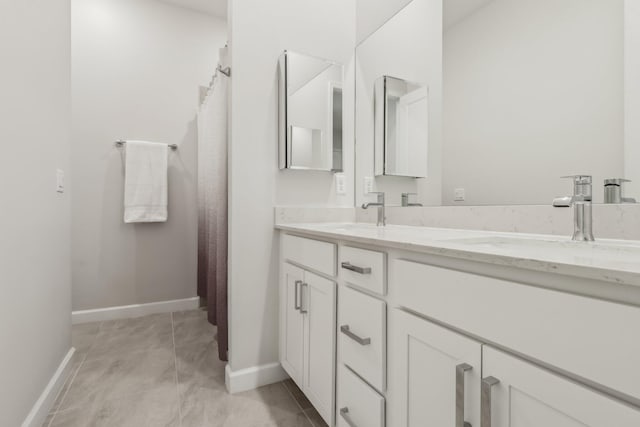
x,y
603,248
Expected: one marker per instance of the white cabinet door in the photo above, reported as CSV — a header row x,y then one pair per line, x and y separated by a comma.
x,y
529,396
319,308
435,371
292,322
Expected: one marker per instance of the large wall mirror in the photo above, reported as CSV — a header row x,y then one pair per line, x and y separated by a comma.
x,y
310,103
517,94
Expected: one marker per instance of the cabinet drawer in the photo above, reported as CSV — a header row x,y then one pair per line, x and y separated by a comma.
x,y
314,254
590,338
358,404
364,268
362,334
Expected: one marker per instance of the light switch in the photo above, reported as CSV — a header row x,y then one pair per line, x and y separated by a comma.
x,y
368,184
459,195
341,187
59,180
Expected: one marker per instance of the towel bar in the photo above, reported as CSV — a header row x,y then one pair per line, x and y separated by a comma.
x,y
120,143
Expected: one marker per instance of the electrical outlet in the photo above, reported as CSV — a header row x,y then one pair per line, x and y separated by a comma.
x,y
368,184
341,186
459,195
59,180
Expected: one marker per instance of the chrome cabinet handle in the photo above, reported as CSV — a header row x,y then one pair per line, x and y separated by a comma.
x,y
302,285
460,371
362,341
485,400
296,303
344,413
355,268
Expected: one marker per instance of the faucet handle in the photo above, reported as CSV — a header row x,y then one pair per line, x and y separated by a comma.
x,y
616,181
581,187
579,179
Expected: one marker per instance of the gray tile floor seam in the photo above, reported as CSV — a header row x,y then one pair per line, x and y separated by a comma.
x,y
297,403
175,358
69,383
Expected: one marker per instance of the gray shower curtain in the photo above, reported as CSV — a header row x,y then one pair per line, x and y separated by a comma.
x,y
212,205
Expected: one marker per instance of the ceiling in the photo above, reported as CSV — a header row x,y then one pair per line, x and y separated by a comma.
x,y
456,10
217,8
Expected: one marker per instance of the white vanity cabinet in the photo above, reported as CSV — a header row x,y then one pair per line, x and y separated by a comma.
x,y
447,379
431,340
516,393
308,320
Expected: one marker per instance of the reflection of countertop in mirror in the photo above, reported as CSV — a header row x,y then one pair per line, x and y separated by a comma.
x,y
614,261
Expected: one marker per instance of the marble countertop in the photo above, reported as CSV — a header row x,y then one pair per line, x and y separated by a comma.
x,y
616,261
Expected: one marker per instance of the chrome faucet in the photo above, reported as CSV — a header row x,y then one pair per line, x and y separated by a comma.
x,y
382,221
582,212
405,200
613,191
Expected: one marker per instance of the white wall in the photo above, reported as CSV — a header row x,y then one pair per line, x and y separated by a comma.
x,y
533,90
632,97
35,281
260,31
407,46
372,14
137,68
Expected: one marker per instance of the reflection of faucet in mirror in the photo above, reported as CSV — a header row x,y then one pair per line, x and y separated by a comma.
x,y
613,191
380,204
405,200
582,212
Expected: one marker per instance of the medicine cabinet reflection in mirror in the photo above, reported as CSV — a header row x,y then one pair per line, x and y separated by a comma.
x,y
401,127
310,113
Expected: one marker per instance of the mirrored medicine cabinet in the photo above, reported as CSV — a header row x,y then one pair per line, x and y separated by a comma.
x,y
401,136
310,113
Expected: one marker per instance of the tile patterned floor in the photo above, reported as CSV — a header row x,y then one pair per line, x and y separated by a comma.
x,y
163,370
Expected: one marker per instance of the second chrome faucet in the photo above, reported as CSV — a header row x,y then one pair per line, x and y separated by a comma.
x,y
582,210
379,203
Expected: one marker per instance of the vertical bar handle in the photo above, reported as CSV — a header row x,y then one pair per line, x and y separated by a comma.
x,y
297,303
344,413
460,374
485,400
303,285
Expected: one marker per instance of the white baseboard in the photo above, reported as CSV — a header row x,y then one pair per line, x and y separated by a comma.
x,y
136,310
43,405
250,378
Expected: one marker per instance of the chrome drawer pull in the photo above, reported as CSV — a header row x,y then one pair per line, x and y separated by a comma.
x,y
297,303
362,341
344,413
485,400
460,371
355,268
302,285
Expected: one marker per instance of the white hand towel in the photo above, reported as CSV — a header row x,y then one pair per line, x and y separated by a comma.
x,y
145,183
